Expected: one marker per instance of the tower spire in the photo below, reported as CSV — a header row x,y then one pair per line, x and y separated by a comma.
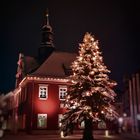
x,y
47,46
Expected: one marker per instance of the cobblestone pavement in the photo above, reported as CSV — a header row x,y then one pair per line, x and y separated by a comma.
x,y
57,137
54,135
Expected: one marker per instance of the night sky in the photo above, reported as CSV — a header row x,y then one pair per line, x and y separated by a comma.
x,y
114,23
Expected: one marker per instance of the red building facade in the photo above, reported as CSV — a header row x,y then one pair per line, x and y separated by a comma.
x,y
38,104
41,84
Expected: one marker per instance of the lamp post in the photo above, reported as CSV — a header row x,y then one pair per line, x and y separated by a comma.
x,y
120,120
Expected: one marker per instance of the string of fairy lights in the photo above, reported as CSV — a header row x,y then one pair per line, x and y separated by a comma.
x,y
91,90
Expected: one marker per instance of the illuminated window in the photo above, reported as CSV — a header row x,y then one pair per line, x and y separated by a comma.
x,y
60,117
43,92
62,92
42,121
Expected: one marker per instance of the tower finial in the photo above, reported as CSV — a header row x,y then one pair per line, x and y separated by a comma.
x,y
47,17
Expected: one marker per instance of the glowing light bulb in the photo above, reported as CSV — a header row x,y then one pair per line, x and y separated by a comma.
x,y
87,93
102,112
92,72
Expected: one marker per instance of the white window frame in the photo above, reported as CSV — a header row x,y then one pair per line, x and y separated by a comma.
x,y
60,92
41,115
40,90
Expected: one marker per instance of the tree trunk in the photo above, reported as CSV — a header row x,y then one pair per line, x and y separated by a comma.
x,y
87,133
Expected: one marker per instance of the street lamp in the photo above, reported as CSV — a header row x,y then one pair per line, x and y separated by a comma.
x,y
120,120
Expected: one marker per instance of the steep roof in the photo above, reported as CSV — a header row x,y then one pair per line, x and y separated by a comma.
x,y
26,65
30,64
57,65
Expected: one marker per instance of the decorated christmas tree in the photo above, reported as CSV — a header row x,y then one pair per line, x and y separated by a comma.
x,y
90,97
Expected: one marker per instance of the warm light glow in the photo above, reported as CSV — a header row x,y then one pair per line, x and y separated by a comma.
x,y
60,124
102,112
62,134
87,93
17,90
73,106
80,58
124,114
68,97
106,133
138,116
92,72
46,79
49,106
120,120
1,133
22,81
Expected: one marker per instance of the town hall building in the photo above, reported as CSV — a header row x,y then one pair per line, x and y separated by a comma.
x,y
41,85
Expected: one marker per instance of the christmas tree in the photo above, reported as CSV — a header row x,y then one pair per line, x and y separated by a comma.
x,y
90,97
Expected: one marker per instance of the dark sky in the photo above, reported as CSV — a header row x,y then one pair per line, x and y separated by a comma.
x,y
114,23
